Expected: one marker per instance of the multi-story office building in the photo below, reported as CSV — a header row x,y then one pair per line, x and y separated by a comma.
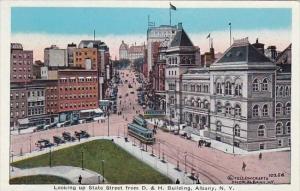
x,y
70,51
55,57
18,103
77,90
158,34
21,62
86,58
242,99
180,56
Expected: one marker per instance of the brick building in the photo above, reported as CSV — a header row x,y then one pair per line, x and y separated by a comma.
x,y
86,58
18,103
21,62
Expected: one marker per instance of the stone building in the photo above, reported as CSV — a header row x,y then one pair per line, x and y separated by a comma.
x,y
123,51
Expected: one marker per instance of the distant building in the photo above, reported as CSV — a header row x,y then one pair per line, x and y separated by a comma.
x,y
158,34
123,51
70,52
271,53
36,69
21,62
135,52
86,58
55,57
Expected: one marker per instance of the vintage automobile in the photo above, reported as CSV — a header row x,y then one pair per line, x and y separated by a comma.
x,y
43,143
58,140
81,134
68,137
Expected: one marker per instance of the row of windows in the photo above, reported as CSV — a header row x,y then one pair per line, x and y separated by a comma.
x,y
62,106
16,95
22,62
257,85
21,69
79,79
21,77
85,53
70,88
36,93
171,72
281,129
237,91
257,111
282,91
33,104
197,88
196,103
22,55
74,96
17,105
36,111
17,114
172,86
283,110
228,110
237,129
80,59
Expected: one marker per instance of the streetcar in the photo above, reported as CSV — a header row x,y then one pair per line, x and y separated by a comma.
x,y
140,121
141,133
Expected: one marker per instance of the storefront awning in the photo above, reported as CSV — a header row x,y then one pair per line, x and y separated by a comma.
x,y
23,121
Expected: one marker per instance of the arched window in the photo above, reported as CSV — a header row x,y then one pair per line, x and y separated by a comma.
x,y
198,88
287,91
238,90
261,131
279,128
265,85
278,108
227,88
281,91
255,85
288,108
237,110
219,107
255,111
288,127
227,109
206,104
219,88
265,111
219,126
237,131
277,91
192,102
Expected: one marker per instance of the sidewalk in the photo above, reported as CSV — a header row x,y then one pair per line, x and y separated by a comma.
x,y
163,167
226,148
68,172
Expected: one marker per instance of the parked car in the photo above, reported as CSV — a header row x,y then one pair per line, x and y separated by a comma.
x,y
58,140
132,92
81,134
44,143
68,137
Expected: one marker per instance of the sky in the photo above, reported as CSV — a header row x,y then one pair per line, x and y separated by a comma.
x,y
37,28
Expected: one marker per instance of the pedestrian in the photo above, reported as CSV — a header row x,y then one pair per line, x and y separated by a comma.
x,y
260,156
177,181
244,166
79,179
199,143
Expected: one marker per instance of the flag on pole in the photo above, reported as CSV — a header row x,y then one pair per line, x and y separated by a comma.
x,y
172,7
229,23
208,36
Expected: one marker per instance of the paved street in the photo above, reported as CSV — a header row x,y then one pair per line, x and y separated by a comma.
x,y
211,165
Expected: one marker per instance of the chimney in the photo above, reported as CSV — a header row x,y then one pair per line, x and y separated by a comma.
x,y
259,46
179,26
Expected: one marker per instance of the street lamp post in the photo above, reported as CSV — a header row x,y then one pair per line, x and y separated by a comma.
x,y
102,162
82,160
50,158
108,122
185,155
30,144
12,160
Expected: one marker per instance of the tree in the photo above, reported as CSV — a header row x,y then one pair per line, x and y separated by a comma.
x,y
138,64
123,63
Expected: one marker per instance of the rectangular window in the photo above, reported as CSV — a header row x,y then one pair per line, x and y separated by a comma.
x,y
279,142
261,146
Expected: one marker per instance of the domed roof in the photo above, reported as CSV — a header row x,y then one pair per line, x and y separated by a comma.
x,y
123,46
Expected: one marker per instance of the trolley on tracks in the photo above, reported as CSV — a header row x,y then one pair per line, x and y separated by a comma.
x,y
141,133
